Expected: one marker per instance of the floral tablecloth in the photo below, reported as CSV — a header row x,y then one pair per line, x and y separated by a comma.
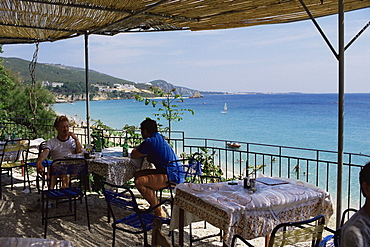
x,y
232,209
117,170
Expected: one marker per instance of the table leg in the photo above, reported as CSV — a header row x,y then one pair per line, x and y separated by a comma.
x,y
267,240
181,227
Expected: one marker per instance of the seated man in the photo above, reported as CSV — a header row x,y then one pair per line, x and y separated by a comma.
x,y
65,143
159,153
356,231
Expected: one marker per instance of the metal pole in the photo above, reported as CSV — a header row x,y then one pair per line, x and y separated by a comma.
x,y
87,87
341,107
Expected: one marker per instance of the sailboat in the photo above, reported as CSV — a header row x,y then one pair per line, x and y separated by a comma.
x,y
225,108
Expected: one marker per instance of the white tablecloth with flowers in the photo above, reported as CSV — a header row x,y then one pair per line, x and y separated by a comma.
x,y
117,170
232,209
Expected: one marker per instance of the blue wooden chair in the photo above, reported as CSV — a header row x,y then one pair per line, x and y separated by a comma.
x,y
139,221
190,172
334,238
76,168
45,163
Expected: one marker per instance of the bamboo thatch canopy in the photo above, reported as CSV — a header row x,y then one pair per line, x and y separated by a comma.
x,y
27,21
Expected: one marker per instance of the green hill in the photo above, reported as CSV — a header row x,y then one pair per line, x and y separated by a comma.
x,y
57,72
73,79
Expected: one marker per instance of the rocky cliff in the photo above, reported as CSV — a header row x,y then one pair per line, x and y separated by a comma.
x,y
196,95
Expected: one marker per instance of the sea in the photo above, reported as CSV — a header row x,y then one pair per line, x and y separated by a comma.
x,y
294,120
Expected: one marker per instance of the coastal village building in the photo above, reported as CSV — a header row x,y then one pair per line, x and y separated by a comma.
x,y
53,84
116,87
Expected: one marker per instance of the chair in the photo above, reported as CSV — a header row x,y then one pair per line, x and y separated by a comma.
x,y
77,168
14,155
119,198
293,232
346,215
45,163
190,173
335,237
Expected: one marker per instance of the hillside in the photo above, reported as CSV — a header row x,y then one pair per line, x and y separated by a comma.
x,y
56,72
71,75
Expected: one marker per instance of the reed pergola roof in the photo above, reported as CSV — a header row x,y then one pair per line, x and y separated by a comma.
x,y
28,21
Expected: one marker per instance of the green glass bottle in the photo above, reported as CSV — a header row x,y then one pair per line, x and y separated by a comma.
x,y
125,149
3,135
98,144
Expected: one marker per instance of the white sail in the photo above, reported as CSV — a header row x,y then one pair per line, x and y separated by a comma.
x,y
225,108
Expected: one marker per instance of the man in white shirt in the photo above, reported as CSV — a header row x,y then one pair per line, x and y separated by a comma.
x,y
356,231
65,143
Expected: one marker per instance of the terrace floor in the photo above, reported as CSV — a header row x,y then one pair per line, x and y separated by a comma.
x,y
17,221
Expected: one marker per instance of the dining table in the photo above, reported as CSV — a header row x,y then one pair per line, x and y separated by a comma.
x,y
110,164
250,214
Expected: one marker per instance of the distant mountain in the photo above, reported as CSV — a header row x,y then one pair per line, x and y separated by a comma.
x,y
57,72
168,87
63,73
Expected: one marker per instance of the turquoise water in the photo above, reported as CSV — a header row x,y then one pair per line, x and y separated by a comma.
x,y
297,120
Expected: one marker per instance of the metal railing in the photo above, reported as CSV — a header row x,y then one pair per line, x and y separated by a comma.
x,y
318,167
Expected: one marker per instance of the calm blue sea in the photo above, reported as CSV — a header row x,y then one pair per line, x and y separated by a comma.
x,y
297,120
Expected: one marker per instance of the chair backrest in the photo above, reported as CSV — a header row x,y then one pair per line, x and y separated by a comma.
x,y
73,166
294,232
346,215
42,146
15,150
119,196
188,172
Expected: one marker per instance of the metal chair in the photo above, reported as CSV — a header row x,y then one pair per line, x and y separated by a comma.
x,y
45,163
293,232
190,172
346,215
14,155
336,234
119,198
78,168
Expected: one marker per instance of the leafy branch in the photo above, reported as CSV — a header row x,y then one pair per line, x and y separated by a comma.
x,y
168,109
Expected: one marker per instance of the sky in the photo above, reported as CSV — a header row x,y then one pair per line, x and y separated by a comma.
x,y
276,58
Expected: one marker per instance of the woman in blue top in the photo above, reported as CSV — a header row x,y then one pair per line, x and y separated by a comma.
x,y
158,152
